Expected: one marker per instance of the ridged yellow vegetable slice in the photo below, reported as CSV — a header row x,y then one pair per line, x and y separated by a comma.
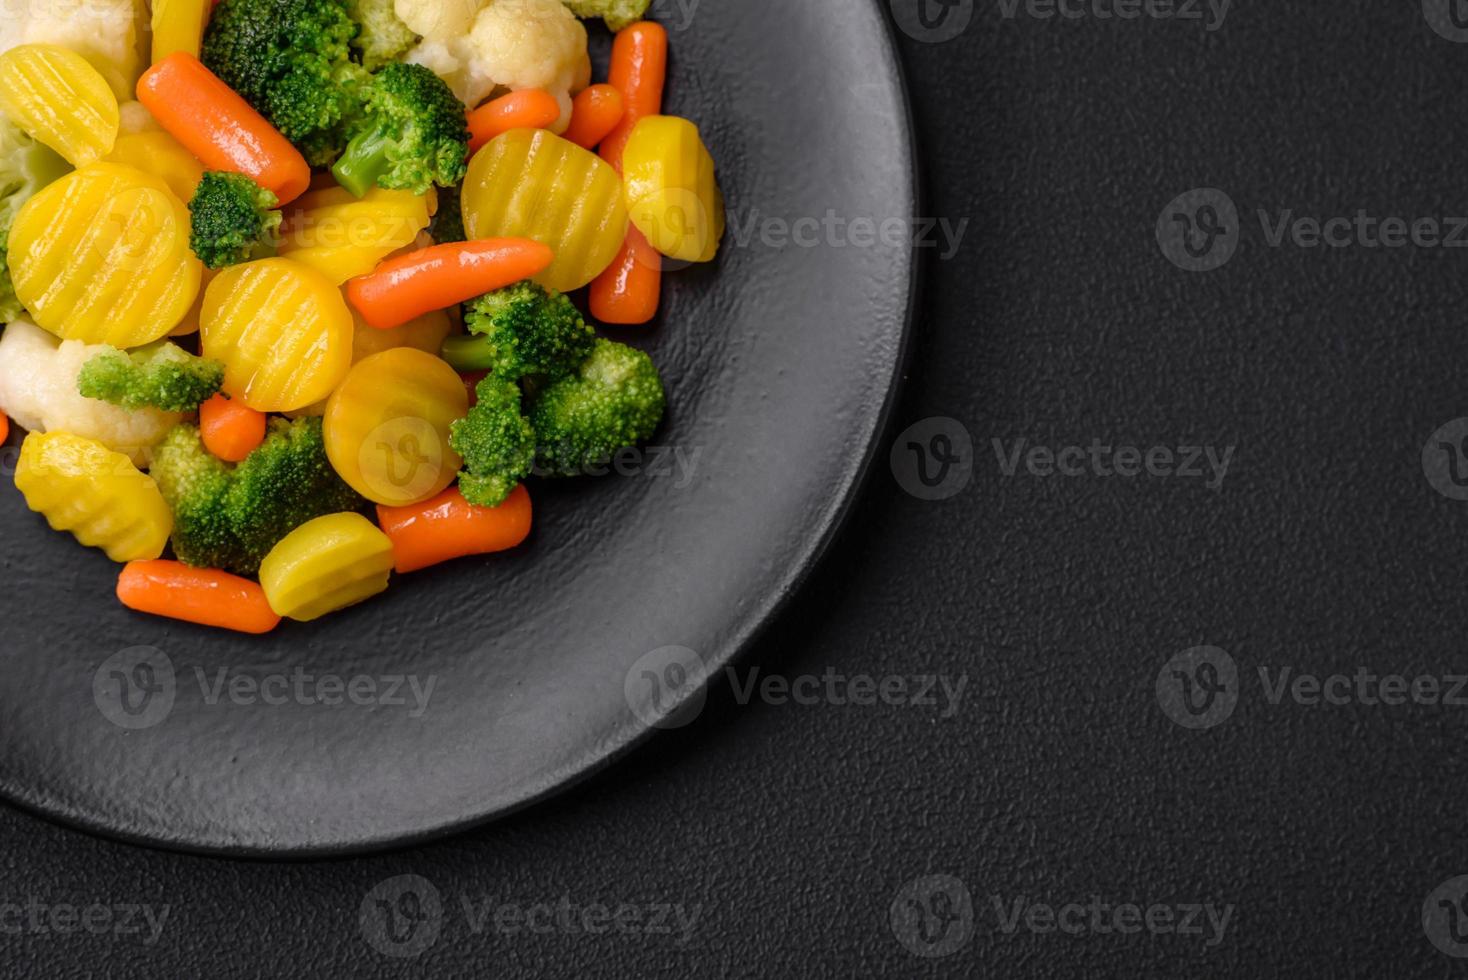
x,y
427,333
102,256
81,486
56,96
342,236
159,154
324,565
672,196
282,330
529,183
387,426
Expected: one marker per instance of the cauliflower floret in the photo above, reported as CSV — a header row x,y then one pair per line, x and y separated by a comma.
x,y
509,44
108,33
134,117
38,392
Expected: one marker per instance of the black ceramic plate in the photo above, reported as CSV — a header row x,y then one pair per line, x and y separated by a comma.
x,y
548,662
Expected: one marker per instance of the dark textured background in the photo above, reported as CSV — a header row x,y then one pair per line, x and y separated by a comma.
x,y
1060,599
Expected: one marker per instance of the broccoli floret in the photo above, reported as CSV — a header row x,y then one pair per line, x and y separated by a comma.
x,y
384,37
521,330
617,13
614,401
25,167
412,134
233,220
230,517
496,443
161,375
291,60
448,221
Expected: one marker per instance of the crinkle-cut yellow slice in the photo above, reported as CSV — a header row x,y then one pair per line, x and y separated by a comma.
x,y
324,565
81,486
102,256
56,96
282,330
672,197
343,236
529,183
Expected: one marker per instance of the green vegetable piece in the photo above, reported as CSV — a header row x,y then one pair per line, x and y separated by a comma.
x,y
523,330
617,13
383,36
161,375
232,220
230,517
496,442
615,400
412,135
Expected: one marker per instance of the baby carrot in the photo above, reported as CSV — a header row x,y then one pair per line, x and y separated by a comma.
x,y
4,426
629,290
205,596
439,276
448,526
638,70
594,114
531,108
217,126
231,430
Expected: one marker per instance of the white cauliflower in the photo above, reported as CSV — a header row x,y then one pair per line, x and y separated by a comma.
x,y
478,46
38,392
111,34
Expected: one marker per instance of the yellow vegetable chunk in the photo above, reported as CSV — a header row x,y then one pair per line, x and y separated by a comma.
x,y
324,565
81,486
529,183
178,25
672,196
102,256
282,330
427,333
159,154
342,236
56,96
387,426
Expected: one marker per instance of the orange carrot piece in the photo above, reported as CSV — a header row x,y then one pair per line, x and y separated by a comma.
x,y
530,108
594,114
216,125
4,426
440,276
448,527
639,69
205,596
629,290
231,430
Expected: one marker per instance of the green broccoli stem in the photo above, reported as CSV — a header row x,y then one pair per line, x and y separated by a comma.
x,y
364,160
469,353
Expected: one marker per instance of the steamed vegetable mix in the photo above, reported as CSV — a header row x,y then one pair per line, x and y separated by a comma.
x,y
364,212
